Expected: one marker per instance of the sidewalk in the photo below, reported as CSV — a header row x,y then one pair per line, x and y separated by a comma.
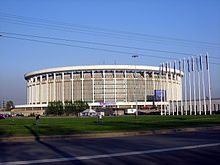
x,y
106,135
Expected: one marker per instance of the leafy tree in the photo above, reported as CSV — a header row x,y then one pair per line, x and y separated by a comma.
x,y
9,105
55,108
58,108
50,108
80,106
69,107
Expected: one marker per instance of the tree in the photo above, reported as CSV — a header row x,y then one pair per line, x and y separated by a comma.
x,y
58,108
80,106
9,105
55,108
50,108
69,107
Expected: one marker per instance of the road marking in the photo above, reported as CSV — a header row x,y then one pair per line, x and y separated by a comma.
x,y
109,155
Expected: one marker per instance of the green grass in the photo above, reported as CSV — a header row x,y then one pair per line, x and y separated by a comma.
x,y
66,126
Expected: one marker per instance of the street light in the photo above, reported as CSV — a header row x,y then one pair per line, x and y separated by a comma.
x,y
136,114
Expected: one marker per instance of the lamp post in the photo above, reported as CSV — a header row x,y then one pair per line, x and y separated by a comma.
x,y
136,114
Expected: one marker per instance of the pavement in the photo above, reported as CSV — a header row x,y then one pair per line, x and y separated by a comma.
x,y
106,135
191,148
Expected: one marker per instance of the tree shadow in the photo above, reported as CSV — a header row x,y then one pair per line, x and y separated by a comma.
x,y
52,147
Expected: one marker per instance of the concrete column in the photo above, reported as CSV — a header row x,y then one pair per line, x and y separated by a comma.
x,y
51,84
36,93
54,86
115,86
145,88
47,88
27,92
103,84
93,87
32,90
82,87
72,86
63,88
40,89
126,86
153,79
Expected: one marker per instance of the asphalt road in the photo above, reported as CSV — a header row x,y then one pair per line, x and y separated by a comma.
x,y
177,149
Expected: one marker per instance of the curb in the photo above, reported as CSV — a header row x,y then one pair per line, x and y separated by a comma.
x,y
106,135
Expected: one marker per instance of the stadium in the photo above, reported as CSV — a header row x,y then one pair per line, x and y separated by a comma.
x,y
114,86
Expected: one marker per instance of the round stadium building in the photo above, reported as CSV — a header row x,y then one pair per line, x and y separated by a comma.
x,y
115,86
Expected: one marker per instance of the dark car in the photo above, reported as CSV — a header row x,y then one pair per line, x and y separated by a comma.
x,y
2,116
19,114
8,115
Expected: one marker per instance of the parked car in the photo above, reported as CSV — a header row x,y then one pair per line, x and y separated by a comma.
x,y
8,115
19,114
2,116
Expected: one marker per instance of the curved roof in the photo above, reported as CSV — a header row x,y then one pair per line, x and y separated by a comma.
x,y
94,67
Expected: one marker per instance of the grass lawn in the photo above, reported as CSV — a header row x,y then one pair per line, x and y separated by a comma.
x,y
68,125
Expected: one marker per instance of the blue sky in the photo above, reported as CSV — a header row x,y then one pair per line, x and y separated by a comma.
x,y
197,20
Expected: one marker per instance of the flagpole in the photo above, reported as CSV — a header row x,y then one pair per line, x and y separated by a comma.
x,y
199,97
203,85
175,74
171,76
190,95
167,87
194,85
165,95
185,92
181,99
209,84
190,89
161,108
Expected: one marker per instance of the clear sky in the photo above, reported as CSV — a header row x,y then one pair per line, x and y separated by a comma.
x,y
152,24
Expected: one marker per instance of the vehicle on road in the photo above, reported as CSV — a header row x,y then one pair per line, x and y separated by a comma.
x,y
19,114
2,116
8,115
130,111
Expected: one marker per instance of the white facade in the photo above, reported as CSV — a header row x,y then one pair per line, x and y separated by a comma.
x,y
117,86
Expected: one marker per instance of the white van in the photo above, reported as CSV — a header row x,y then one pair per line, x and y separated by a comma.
x,y
130,111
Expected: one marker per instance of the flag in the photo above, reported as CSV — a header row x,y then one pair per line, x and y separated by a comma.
x,y
169,67
162,68
200,60
166,67
188,65
179,65
207,63
192,64
183,65
174,67
197,63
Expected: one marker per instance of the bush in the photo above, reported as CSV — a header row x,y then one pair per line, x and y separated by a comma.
x,y
31,115
69,107
55,108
